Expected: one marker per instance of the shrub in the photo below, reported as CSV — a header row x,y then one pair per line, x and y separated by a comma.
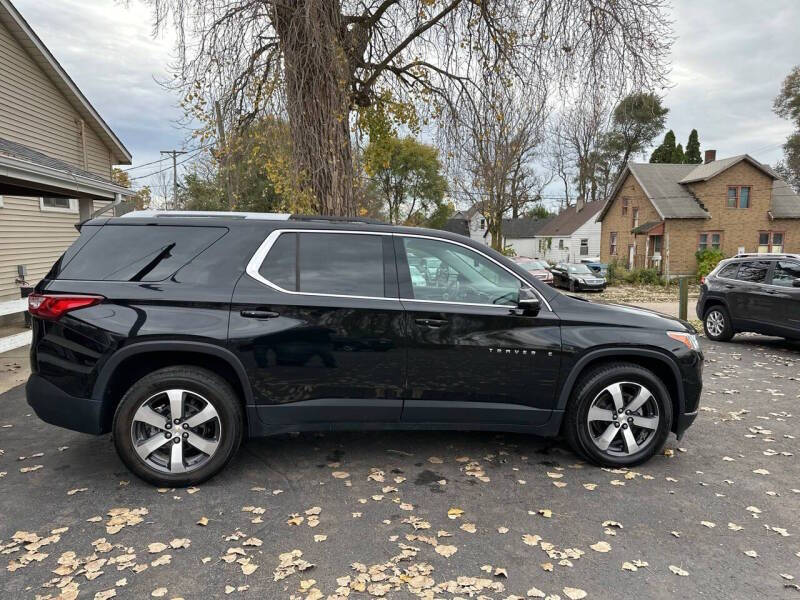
x,y
707,259
615,272
643,277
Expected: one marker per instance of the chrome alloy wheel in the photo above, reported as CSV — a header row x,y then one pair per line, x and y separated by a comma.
x,y
176,431
715,323
623,418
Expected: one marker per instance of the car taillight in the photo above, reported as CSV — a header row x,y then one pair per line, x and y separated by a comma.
x,y
702,279
53,307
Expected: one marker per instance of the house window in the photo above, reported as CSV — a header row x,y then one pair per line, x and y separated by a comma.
x,y
584,247
561,244
613,243
770,241
635,219
483,223
58,205
624,206
709,239
738,196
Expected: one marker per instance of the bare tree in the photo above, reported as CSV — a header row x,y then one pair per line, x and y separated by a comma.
x,y
581,131
317,61
497,138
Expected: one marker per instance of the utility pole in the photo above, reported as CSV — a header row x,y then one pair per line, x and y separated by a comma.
x,y
223,154
174,154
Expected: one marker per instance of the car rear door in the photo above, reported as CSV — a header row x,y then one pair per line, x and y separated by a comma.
x,y
318,325
784,294
473,357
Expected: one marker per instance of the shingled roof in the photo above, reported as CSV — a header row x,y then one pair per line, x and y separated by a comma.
x,y
517,229
665,185
570,219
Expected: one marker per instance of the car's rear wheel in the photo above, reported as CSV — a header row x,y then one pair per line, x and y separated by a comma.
x,y
717,324
178,426
619,415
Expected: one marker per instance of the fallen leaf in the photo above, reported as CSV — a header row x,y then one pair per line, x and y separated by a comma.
x,y
678,571
574,593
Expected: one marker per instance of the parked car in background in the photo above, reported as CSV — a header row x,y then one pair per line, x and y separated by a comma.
x,y
538,268
600,269
184,333
752,292
577,277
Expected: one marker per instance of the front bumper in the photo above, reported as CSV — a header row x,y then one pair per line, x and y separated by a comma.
x,y
590,286
683,422
54,406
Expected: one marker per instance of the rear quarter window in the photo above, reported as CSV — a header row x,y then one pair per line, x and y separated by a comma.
x,y
134,252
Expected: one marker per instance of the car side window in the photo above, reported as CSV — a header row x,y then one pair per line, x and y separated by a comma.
x,y
753,271
785,273
338,264
729,271
446,272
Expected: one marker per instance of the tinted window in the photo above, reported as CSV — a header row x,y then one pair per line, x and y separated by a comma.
x,y
280,265
785,273
136,252
341,263
754,272
451,273
729,271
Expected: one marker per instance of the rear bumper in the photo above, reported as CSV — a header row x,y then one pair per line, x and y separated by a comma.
x,y
54,406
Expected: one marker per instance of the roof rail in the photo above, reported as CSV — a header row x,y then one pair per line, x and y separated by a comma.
x,y
766,255
364,220
207,214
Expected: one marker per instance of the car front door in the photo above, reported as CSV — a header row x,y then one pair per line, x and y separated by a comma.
x,y
747,299
473,356
318,325
784,298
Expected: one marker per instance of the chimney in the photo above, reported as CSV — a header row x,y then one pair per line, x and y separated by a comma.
x,y
711,156
579,204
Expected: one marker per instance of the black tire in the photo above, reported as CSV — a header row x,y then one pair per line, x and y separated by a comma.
x,y
576,428
213,389
718,311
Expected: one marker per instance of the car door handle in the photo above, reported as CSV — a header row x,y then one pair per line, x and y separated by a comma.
x,y
431,322
728,286
259,314
771,291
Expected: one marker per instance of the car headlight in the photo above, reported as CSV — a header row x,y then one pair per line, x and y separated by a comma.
x,y
580,280
687,339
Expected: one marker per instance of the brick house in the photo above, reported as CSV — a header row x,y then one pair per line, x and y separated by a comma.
x,y
659,215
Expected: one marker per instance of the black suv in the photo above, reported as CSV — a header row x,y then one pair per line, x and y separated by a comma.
x,y
181,334
752,292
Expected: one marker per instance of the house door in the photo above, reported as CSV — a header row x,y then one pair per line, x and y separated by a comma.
x,y
656,243
630,256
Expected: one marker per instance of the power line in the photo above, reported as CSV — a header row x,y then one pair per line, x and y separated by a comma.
x,y
192,154
152,162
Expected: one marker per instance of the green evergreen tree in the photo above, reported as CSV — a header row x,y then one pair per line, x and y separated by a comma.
x,y
663,154
693,149
678,157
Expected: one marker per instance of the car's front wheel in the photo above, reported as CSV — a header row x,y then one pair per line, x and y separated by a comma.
x,y
619,415
717,324
178,426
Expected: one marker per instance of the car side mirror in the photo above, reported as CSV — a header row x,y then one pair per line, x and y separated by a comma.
x,y
528,301
796,283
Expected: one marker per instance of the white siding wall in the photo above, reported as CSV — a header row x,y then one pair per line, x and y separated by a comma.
x,y
33,112
524,246
475,231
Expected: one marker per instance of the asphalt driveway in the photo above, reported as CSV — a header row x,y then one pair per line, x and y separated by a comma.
x,y
431,515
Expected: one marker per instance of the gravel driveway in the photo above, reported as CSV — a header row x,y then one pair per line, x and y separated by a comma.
x,y
430,515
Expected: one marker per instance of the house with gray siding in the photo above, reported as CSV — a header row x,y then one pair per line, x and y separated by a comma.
x,y
56,156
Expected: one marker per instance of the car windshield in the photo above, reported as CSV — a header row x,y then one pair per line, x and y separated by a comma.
x,y
533,265
579,269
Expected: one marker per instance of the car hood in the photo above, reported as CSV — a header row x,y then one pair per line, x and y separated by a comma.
x,y
609,313
540,272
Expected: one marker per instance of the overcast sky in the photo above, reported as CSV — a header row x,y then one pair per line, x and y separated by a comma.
x,y
728,61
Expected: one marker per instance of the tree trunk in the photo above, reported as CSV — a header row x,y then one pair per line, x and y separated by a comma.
x,y
318,102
